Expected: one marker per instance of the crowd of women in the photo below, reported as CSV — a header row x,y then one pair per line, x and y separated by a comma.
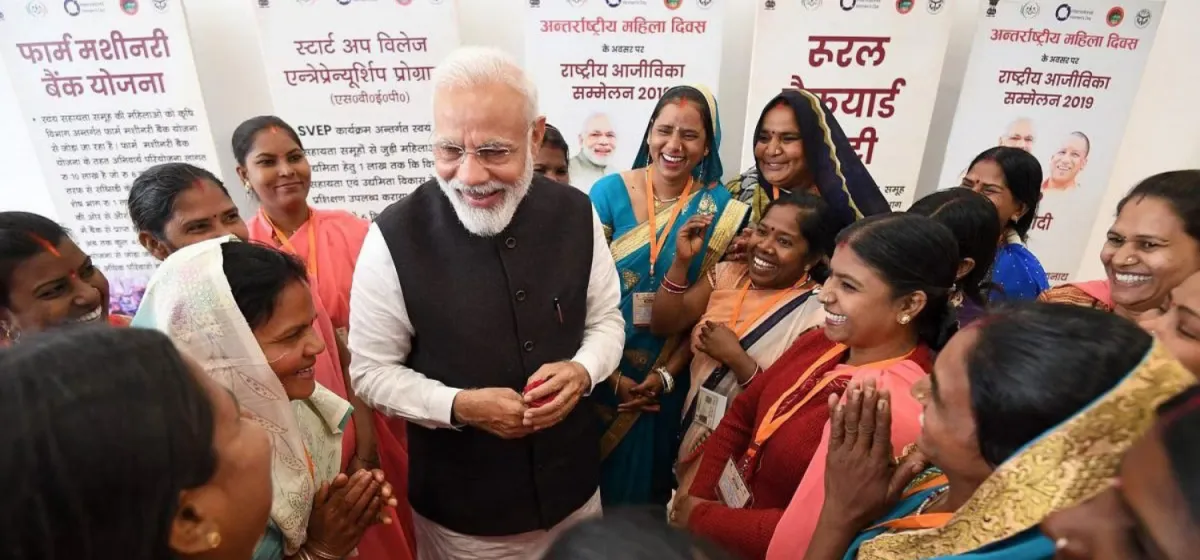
x,y
806,374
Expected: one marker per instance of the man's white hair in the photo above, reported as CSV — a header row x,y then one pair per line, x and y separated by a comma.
x,y
470,67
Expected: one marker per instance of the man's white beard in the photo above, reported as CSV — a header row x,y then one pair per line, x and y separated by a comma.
x,y
487,222
597,160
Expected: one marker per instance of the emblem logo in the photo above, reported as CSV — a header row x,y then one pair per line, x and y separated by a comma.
x,y
848,5
129,6
904,6
1142,19
1115,16
1063,13
935,6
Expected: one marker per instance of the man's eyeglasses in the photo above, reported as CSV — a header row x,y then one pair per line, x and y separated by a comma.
x,y
490,156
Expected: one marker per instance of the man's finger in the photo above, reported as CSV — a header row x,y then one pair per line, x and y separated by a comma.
x,y
538,417
550,386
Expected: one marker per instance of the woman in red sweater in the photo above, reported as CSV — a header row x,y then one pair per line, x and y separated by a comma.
x,y
887,301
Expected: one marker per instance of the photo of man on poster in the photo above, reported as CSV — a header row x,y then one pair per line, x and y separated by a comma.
x,y
597,142
1066,163
1019,134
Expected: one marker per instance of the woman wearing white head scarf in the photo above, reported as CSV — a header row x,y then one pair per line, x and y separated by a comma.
x,y
245,313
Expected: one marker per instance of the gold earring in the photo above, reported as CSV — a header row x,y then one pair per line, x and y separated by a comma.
x,y
904,319
214,540
247,185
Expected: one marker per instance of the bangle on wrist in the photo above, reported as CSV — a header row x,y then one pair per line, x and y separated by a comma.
x,y
672,287
668,380
757,369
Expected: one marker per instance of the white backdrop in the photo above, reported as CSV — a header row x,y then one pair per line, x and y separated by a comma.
x,y
1163,131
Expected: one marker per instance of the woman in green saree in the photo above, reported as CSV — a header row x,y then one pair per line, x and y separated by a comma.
x,y
675,184
1028,411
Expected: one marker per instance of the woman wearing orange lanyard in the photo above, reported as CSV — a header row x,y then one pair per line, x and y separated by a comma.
x,y
1028,412
747,313
273,167
676,176
887,308
245,313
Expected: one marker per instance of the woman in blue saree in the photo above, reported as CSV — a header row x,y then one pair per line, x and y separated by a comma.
x,y
1027,412
676,175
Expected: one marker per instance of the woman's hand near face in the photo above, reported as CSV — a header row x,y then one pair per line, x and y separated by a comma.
x,y
861,478
689,242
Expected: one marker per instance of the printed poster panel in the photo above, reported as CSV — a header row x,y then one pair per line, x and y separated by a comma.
x,y
353,79
1057,80
107,89
601,65
874,63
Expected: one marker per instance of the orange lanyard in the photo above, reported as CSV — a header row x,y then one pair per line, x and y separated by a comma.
x,y
773,420
656,242
762,310
287,244
921,520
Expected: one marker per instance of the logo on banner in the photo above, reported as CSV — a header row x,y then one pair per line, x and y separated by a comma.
x,y
404,2
809,4
161,6
612,3
848,4
71,7
904,6
129,6
1031,10
1115,16
1066,12
935,6
1142,19
672,4
535,3
36,8
706,4
991,11
770,4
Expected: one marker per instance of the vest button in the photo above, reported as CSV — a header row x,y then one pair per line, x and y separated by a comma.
x,y
511,242
520,295
528,346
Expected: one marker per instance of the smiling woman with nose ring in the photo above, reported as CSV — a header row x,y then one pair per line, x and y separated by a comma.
x,y
792,154
1152,247
675,177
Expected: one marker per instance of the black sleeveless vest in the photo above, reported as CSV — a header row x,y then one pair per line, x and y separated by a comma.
x,y
488,312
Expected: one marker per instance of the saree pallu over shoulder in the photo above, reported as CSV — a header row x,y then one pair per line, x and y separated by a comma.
x,y
1095,294
1068,465
711,200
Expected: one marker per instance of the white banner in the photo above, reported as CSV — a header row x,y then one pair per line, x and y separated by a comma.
x,y
353,78
875,63
601,65
1056,79
107,89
